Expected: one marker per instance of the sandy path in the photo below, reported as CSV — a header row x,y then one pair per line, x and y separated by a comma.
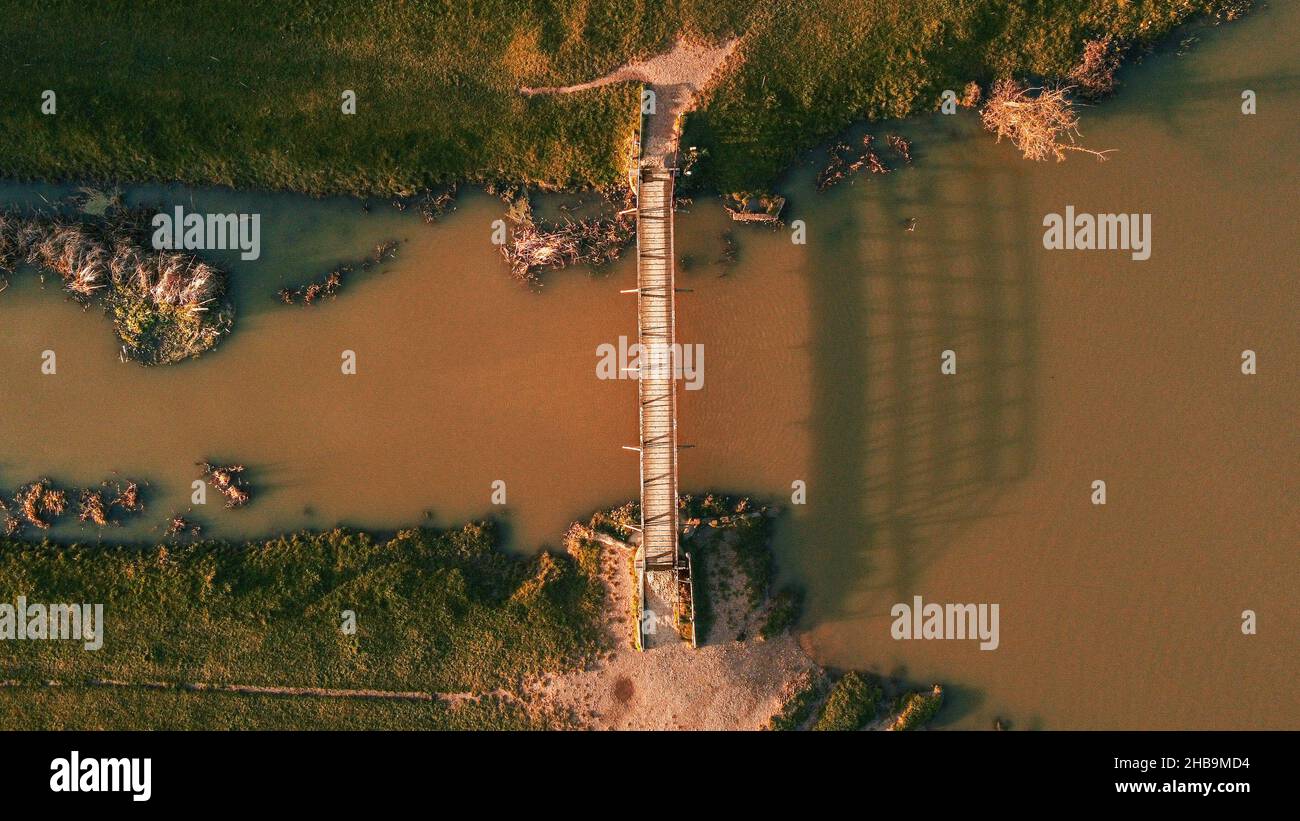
x,y
676,77
723,685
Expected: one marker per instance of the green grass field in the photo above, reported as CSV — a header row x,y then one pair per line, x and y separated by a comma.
x,y
435,612
98,708
247,94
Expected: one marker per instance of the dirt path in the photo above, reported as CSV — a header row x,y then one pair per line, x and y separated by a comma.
x,y
723,685
452,699
676,77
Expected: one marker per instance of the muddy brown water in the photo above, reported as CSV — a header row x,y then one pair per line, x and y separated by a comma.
x,y
821,365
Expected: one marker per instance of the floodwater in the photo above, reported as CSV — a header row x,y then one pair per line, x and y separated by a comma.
x,y
822,365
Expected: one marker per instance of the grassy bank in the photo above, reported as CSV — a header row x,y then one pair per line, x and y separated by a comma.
x,y
436,611
813,67
97,708
248,94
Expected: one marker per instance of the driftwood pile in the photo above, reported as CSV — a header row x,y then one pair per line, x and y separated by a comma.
x,y
330,284
534,248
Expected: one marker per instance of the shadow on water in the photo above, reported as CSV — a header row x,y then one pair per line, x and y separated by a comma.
x,y
902,456
959,702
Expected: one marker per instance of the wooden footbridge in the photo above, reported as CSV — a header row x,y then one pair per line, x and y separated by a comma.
x,y
673,80
654,174
656,326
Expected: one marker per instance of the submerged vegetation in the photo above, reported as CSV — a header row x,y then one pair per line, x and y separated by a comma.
x,y
165,305
844,161
329,285
437,87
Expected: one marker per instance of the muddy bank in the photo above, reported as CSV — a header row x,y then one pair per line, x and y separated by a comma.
x,y
750,670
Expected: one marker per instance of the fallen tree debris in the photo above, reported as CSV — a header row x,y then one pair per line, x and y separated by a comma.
x,y
1041,122
534,248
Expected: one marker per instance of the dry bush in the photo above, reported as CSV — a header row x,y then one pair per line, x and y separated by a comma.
x,y
93,508
1041,122
40,502
1095,74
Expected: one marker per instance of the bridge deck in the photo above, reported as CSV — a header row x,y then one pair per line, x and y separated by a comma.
x,y
657,380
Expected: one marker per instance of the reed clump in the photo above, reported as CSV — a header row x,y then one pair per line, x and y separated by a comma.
x,y
165,305
40,503
178,524
436,204
1094,75
93,508
229,481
